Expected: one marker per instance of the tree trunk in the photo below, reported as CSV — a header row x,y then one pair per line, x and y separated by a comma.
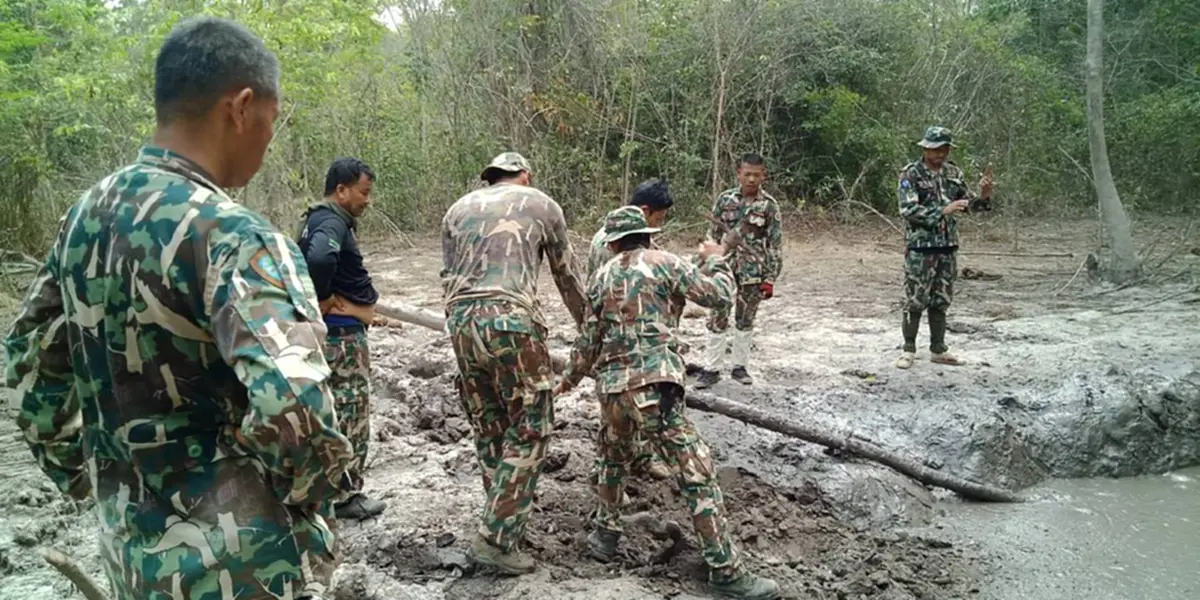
x,y
1124,262
850,444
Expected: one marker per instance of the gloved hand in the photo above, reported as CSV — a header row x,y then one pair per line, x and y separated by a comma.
x,y
768,290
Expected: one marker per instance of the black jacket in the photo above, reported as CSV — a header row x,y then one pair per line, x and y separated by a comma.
x,y
331,250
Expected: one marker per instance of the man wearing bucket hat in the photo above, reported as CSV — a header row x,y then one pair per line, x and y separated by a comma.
x,y
653,197
931,193
493,242
628,342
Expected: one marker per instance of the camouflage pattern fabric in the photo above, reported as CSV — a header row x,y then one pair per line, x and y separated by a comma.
x,y
637,410
598,254
923,194
629,335
493,240
505,380
760,225
168,362
745,310
349,359
929,280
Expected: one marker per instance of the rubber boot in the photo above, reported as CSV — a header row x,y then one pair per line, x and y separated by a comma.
x,y
602,544
748,586
938,351
912,325
707,379
359,507
509,563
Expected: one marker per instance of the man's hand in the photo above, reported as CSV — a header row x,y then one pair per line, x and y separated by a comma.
x,y
956,206
560,388
985,184
707,249
768,290
329,304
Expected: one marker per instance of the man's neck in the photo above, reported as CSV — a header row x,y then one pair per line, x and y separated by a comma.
x,y
930,167
200,149
742,192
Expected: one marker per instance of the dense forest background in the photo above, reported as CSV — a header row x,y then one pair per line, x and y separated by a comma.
x,y
600,94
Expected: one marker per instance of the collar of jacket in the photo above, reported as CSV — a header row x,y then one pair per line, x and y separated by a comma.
x,y
337,209
177,163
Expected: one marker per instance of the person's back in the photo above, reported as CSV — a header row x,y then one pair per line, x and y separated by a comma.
x,y
638,297
169,359
494,240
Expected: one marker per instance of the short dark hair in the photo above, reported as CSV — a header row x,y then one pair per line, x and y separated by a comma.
x,y
752,159
204,58
346,171
652,193
633,241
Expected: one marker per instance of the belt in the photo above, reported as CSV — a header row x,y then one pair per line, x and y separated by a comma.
x,y
345,329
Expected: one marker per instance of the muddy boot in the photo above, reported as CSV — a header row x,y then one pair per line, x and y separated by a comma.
x,y
658,470
945,358
359,507
741,376
938,351
747,586
602,544
707,379
509,563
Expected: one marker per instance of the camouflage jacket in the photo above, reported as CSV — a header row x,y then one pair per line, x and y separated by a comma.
x,y
923,194
493,241
168,362
761,226
629,335
598,253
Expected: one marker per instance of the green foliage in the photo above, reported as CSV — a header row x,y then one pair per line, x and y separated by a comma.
x,y
601,94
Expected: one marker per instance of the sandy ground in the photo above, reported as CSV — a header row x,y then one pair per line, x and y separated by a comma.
x,y
824,526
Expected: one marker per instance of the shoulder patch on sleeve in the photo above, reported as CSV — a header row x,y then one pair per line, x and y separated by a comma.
x,y
904,184
265,266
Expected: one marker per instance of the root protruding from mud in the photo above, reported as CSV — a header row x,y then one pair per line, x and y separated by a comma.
x,y
850,444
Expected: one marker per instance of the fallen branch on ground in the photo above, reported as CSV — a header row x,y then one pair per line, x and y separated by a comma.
x,y
752,416
895,227
857,446
1021,254
71,570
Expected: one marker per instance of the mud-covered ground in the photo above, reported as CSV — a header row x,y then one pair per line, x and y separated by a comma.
x,y
1065,380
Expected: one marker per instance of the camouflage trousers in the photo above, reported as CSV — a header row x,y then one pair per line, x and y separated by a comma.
x,y
504,383
349,360
626,414
929,280
738,342
644,453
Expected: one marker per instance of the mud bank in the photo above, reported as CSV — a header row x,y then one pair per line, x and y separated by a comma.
x,y
1069,385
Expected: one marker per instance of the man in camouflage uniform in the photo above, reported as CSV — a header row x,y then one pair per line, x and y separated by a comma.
x,y
168,353
493,241
654,199
629,340
931,192
347,298
748,221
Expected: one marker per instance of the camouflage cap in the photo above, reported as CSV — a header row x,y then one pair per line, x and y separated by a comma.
x,y
509,162
624,221
936,137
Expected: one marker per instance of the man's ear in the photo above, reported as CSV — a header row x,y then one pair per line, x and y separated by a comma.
x,y
239,105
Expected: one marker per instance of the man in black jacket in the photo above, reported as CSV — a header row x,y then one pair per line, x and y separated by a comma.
x,y
347,299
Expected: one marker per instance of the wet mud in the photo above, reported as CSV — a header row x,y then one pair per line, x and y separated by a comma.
x,y
1090,382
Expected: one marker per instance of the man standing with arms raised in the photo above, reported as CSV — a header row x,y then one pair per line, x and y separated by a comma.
x,y
168,353
493,242
347,298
